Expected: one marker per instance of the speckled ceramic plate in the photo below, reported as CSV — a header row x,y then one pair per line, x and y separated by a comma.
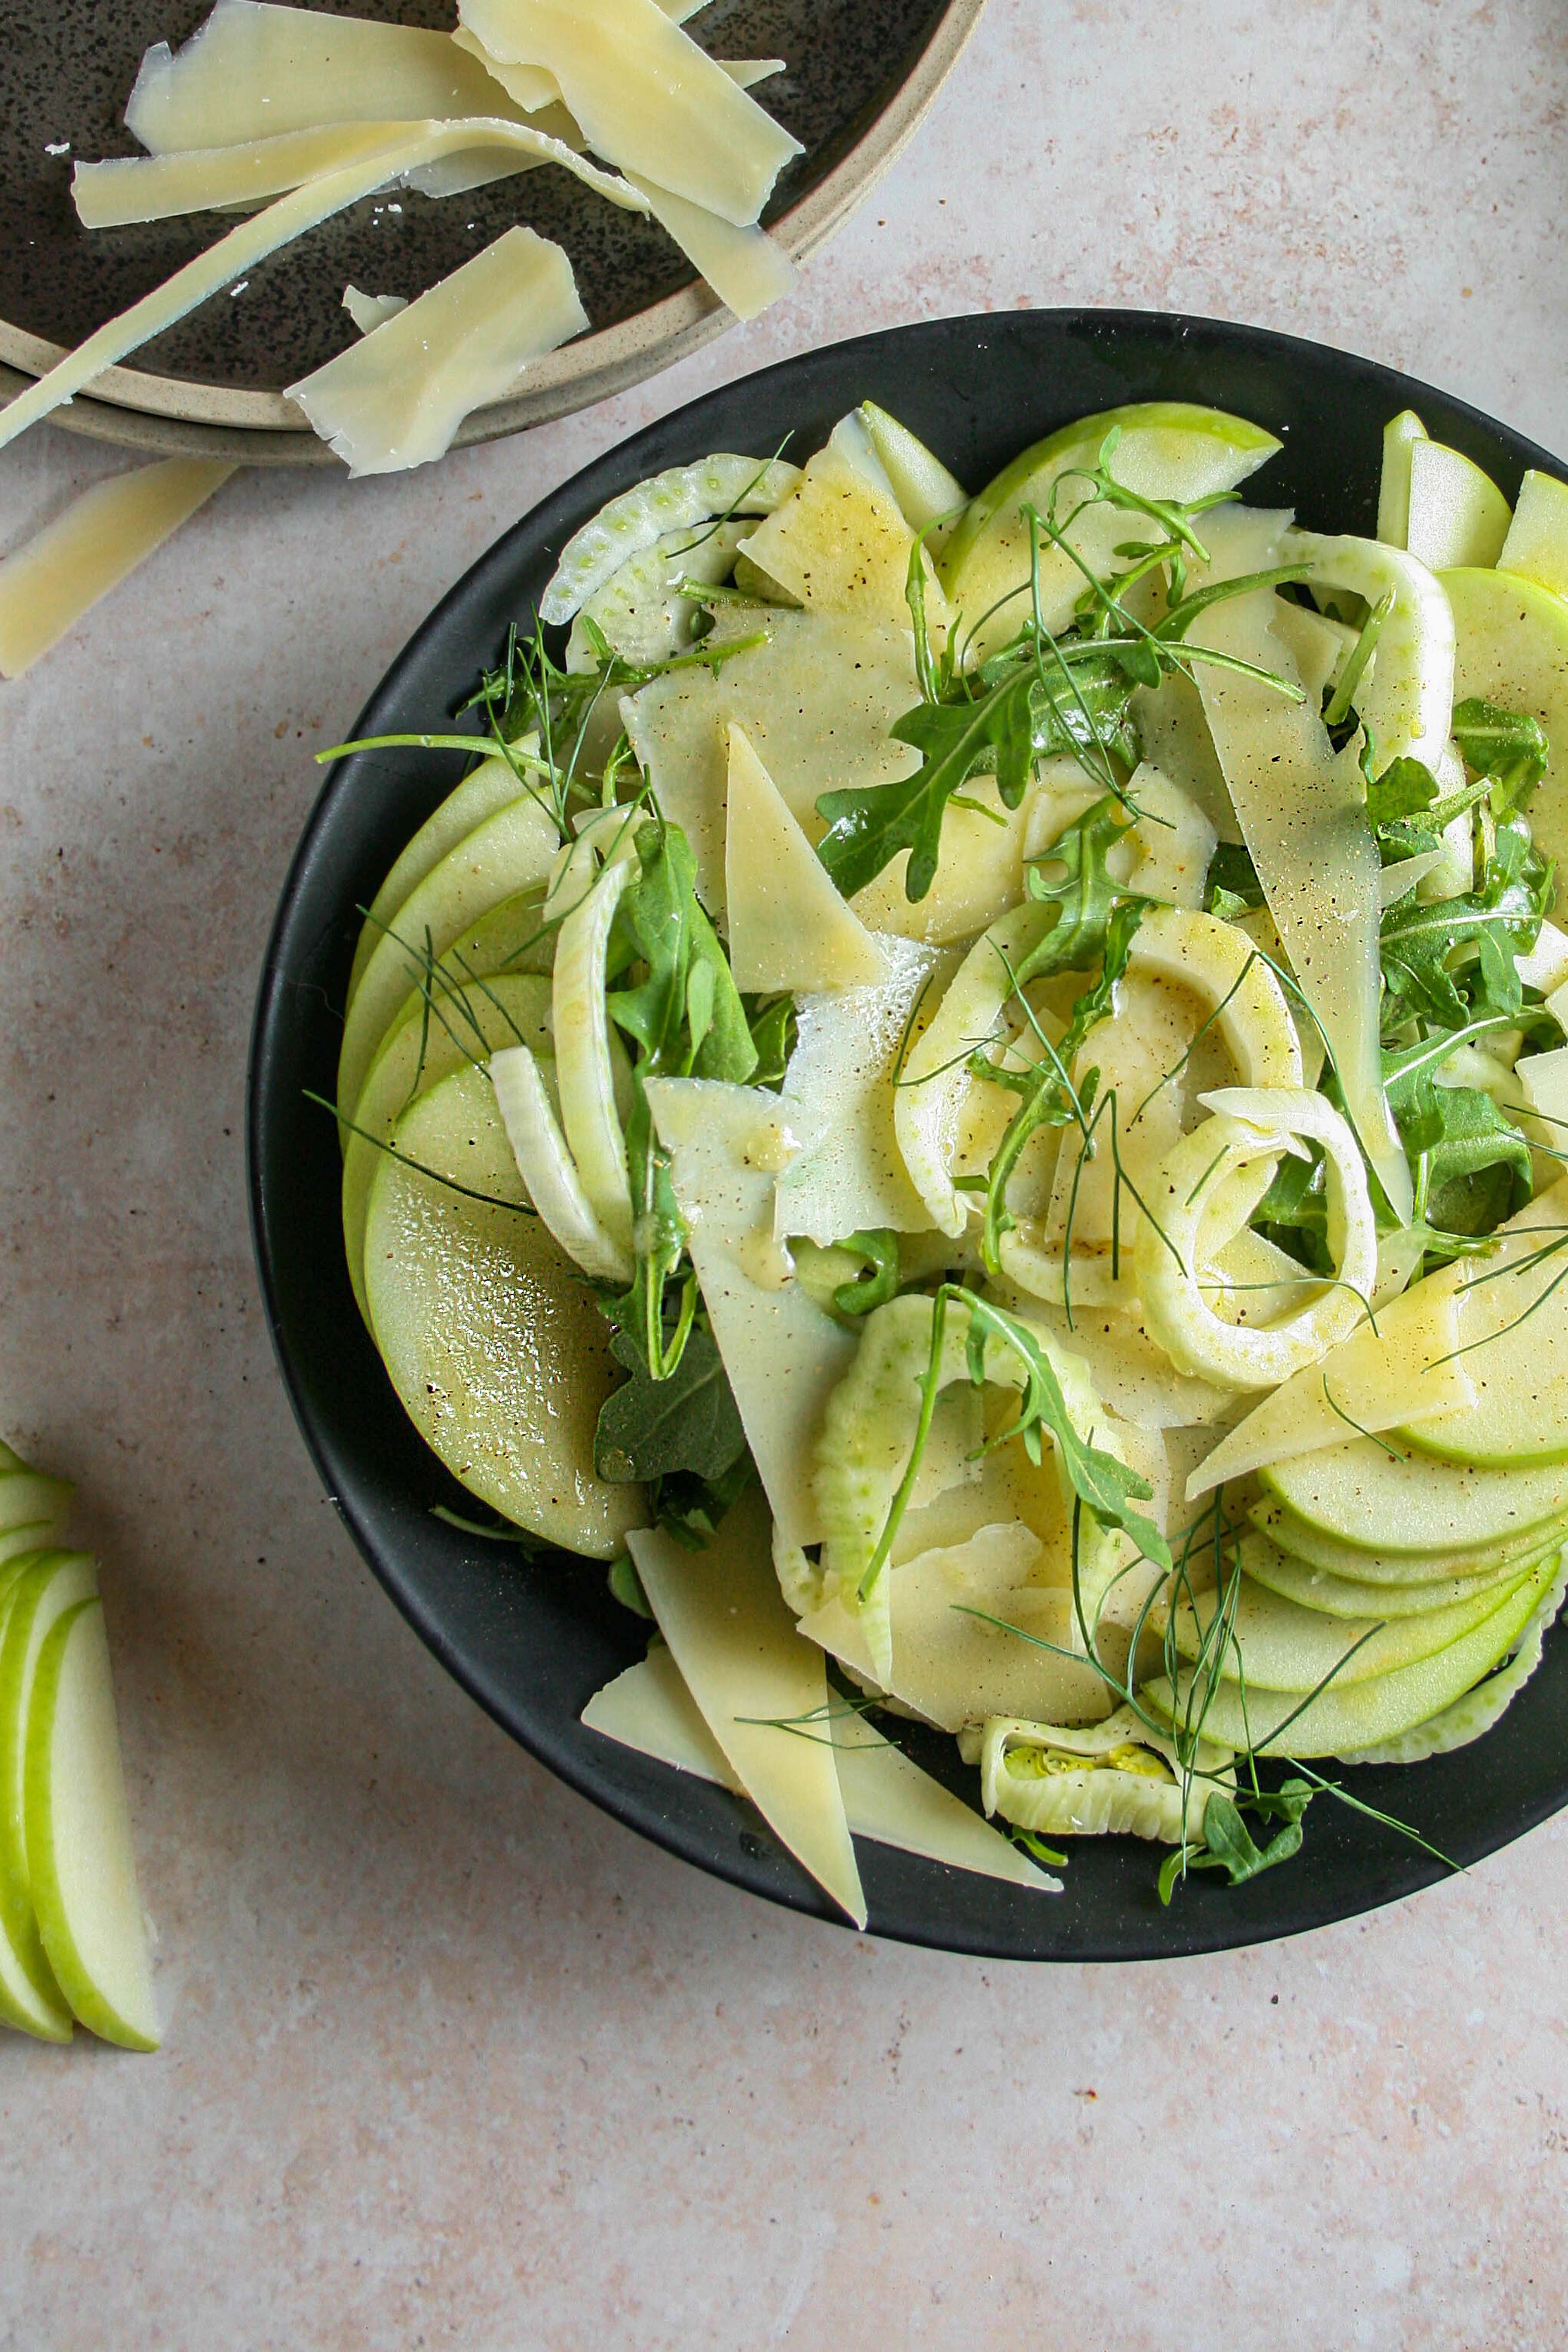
x,y
533,1639
860,74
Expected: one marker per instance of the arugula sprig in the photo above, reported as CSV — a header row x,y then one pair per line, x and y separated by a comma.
x,y
1040,695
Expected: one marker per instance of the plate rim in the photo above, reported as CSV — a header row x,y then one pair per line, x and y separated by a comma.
x,y
577,376
643,1801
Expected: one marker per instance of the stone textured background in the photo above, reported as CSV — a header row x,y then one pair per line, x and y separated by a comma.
x,y
452,2060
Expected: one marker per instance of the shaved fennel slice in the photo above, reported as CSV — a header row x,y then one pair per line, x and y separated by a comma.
x,y
1406,1369
849,1174
1406,699
868,1433
251,242
394,399
937,1082
1301,809
584,1071
1129,1782
1249,1131
1467,1719
647,98
638,610
548,1169
678,501
746,267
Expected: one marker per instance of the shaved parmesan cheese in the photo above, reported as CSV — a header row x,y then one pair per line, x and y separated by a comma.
x,y
647,98
254,71
850,1177
396,399
756,1684
887,1796
841,545
1405,1371
789,929
538,93
744,267
784,1356
1302,812
369,312
48,585
816,699
303,208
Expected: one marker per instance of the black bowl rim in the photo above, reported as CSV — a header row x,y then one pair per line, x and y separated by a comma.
x,y
687,1828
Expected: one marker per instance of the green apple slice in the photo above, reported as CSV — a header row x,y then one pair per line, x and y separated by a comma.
x,y
1400,436
46,1585
495,1349
1458,514
1513,1342
28,1497
493,785
1168,449
1398,1500
1344,1596
430,1043
1358,1715
1511,649
1282,1645
511,851
1378,1566
1536,547
79,1850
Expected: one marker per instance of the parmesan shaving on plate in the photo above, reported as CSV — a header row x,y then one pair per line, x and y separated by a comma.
x,y
531,86
369,312
49,584
789,929
304,208
757,1684
743,266
396,399
887,1796
647,98
254,71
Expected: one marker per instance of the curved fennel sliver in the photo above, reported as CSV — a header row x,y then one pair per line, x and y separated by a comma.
x,y
1252,1125
1466,1719
584,1072
927,1106
867,1435
1101,1798
548,1169
676,500
1406,701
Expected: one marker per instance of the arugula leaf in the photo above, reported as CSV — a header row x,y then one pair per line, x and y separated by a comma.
x,y
690,1508
649,1428
1294,1211
773,1026
1508,747
1229,1845
879,1282
1472,1168
1232,884
869,824
1107,1485
1421,944
625,1585
1405,788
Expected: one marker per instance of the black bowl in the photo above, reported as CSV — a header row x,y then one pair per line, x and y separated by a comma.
x,y
531,1639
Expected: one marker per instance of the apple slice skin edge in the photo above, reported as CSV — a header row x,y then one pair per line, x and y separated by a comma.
x,y
72,1697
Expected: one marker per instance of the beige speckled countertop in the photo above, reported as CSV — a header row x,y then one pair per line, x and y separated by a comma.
x,y
452,2059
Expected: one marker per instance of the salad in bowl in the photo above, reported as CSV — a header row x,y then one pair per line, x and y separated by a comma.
x,y
971,1094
